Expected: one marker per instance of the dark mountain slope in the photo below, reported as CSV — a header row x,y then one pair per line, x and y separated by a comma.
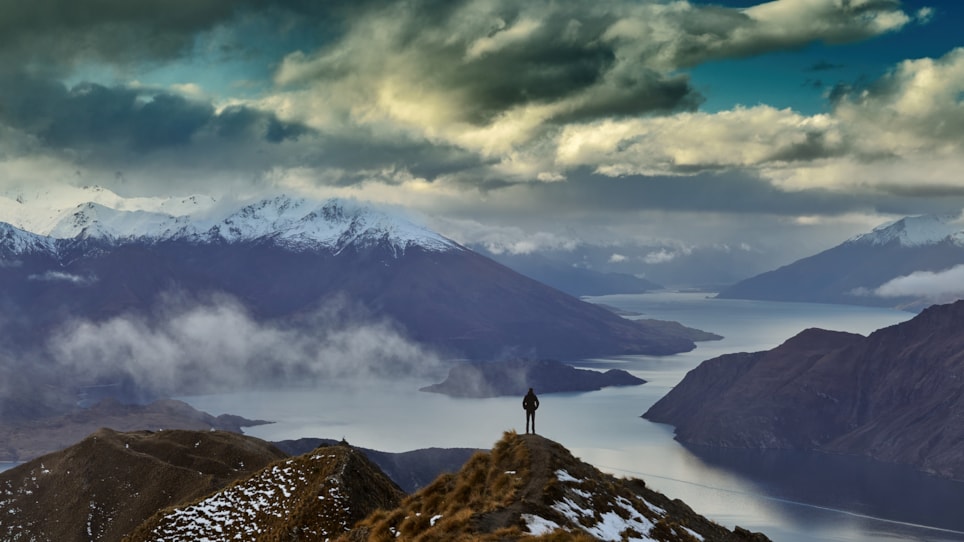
x,y
101,488
896,395
456,300
25,439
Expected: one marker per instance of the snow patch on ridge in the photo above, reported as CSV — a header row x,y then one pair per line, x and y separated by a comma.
x,y
915,231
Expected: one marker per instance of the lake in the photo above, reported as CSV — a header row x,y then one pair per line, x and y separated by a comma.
x,y
791,497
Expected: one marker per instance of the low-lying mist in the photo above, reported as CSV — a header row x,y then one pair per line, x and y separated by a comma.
x,y
189,345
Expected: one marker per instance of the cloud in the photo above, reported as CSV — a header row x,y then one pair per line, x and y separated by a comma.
x,y
58,276
59,32
493,77
915,107
191,347
937,285
90,116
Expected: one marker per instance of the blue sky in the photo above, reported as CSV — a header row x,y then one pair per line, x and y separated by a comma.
x,y
802,78
656,131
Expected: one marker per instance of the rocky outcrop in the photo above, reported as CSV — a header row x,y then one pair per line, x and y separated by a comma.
x,y
896,395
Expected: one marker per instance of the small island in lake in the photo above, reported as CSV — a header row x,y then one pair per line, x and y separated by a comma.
x,y
515,377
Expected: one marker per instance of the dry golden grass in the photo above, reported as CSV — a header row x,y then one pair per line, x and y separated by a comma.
x,y
445,508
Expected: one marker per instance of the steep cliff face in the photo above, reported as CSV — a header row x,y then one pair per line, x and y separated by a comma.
x,y
896,395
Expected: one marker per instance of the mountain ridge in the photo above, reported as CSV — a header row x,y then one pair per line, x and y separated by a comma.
x,y
186,485
297,224
907,264
896,395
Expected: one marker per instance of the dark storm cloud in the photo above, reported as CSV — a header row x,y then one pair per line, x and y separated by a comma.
x,y
725,192
490,58
94,117
115,30
739,194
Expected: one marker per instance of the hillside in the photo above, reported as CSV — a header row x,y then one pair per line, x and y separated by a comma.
x,y
869,269
531,486
181,486
896,395
26,439
315,496
110,482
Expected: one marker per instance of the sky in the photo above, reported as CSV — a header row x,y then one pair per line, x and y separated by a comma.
x,y
641,132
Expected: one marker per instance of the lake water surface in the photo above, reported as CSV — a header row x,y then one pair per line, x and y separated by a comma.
x,y
790,497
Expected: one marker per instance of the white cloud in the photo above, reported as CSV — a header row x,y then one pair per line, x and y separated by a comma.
x,y
190,347
660,256
59,276
617,258
943,285
687,142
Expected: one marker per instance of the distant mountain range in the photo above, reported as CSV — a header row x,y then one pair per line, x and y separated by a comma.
x,y
896,395
99,274
572,279
187,485
911,263
284,256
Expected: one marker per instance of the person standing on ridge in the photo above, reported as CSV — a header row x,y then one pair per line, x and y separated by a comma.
x,y
530,403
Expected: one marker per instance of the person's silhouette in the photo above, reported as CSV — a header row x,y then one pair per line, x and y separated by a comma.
x,y
530,403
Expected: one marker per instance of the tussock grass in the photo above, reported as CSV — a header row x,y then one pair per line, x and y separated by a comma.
x,y
444,509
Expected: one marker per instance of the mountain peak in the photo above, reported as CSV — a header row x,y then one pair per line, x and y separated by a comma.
x,y
913,231
294,223
531,486
318,495
184,485
300,224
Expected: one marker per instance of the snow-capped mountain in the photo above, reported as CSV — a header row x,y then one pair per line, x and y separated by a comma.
x,y
911,263
915,231
14,241
297,224
284,258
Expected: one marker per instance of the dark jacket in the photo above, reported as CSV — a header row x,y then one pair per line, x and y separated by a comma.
x,y
531,402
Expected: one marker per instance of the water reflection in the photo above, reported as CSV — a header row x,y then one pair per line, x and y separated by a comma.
x,y
857,485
